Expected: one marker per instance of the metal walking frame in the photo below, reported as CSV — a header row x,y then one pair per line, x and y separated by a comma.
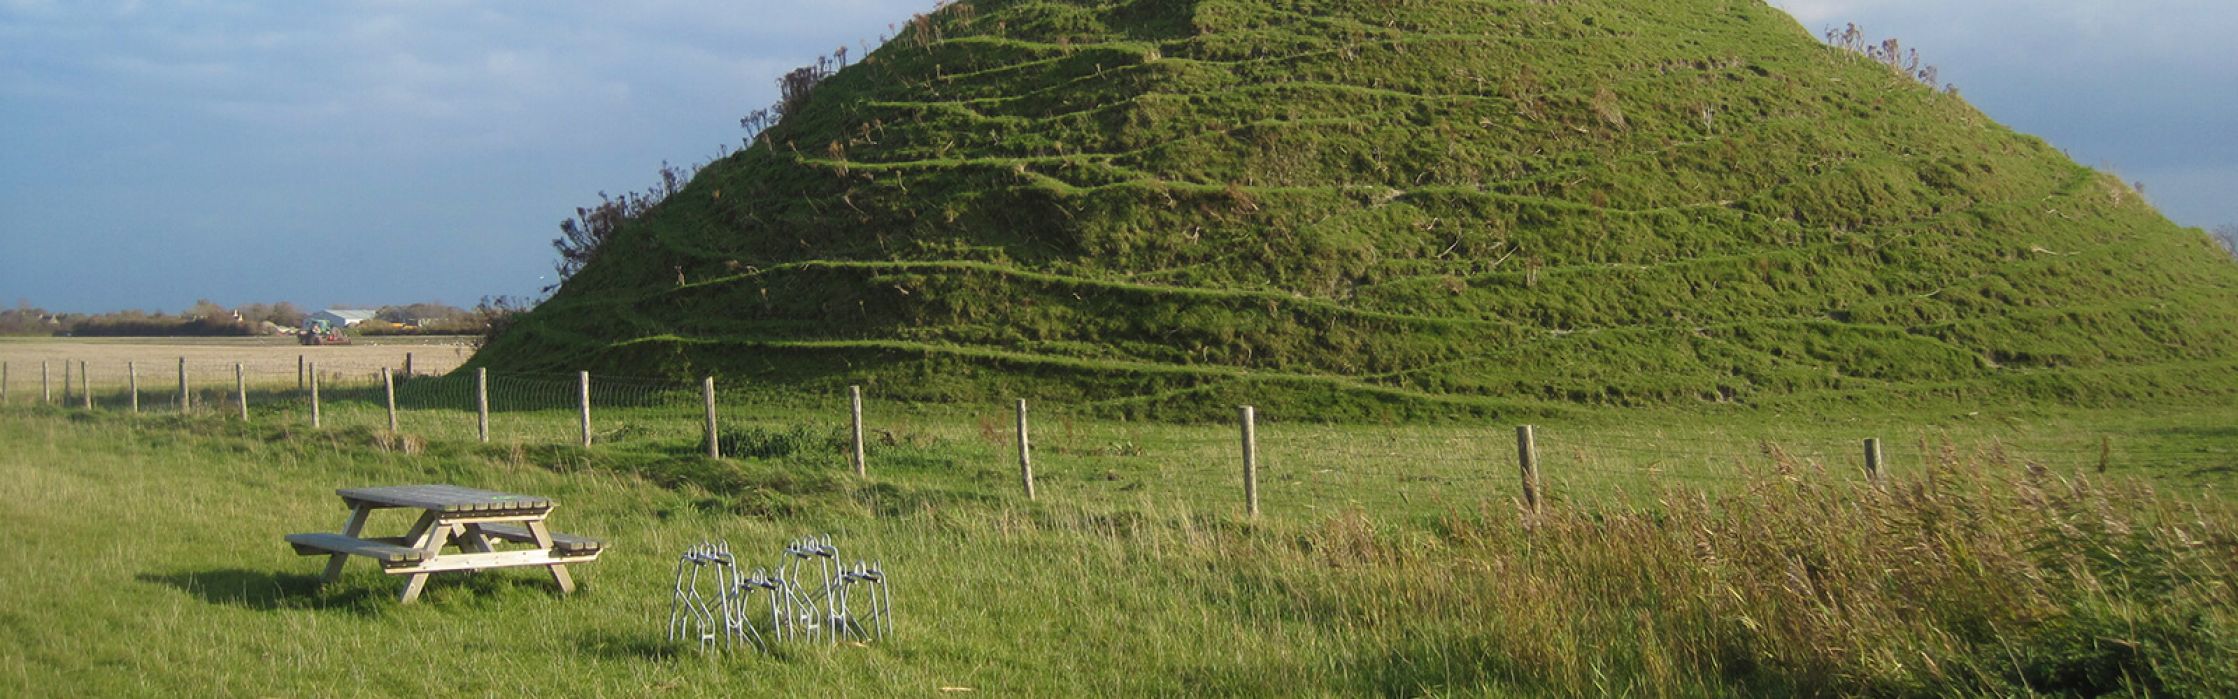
x,y
813,596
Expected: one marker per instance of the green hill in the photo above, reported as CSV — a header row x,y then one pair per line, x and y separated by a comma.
x,y
1361,207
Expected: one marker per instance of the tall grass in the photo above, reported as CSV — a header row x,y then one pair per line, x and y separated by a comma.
x,y
1981,576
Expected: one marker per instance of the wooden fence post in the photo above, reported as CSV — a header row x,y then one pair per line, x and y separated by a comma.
x,y
1527,455
314,395
66,394
3,382
46,385
85,383
2105,452
299,385
186,399
241,389
1025,452
586,405
1251,459
132,384
714,435
408,365
388,389
482,404
862,465
1873,463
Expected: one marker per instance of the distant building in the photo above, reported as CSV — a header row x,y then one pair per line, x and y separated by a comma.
x,y
338,318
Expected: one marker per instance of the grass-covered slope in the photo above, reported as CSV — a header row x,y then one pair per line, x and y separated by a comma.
x,y
1395,206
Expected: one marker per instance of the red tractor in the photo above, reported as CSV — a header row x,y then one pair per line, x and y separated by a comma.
x,y
319,332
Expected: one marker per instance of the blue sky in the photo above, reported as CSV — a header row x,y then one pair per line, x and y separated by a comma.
x,y
394,151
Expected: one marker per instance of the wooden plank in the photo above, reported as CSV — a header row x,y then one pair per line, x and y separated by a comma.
x,y
241,389
475,540
855,400
482,404
1249,419
494,517
1873,471
427,529
586,386
714,436
388,388
447,498
356,526
328,543
1025,452
412,587
521,535
314,395
486,561
559,572
1527,458
428,535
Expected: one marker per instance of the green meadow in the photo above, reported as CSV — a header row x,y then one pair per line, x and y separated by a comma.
x,y
1676,555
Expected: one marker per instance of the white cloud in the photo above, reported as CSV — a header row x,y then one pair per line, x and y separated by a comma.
x,y
1814,13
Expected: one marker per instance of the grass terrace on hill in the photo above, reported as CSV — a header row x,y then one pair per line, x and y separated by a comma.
x,y
1398,209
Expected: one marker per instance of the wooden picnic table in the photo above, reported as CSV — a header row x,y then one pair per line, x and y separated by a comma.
x,y
476,522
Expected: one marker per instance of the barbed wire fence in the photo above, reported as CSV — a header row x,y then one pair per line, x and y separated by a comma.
x,y
1284,467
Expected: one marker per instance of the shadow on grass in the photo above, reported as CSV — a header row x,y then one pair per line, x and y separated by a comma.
x,y
265,590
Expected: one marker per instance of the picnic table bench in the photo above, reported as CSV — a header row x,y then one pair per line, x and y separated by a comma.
x,y
473,521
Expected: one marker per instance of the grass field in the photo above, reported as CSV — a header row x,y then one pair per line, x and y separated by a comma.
x,y
1392,559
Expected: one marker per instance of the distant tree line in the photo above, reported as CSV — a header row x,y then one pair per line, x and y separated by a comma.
x,y
203,319
208,319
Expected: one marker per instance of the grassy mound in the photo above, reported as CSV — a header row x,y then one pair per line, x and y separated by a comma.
x,y
1390,208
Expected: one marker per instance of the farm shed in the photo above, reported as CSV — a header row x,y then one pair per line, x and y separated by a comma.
x,y
340,318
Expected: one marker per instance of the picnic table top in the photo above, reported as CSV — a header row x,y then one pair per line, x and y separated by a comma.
x,y
446,498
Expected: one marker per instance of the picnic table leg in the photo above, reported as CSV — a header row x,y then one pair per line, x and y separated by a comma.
x,y
412,586
358,513
559,571
429,535
474,540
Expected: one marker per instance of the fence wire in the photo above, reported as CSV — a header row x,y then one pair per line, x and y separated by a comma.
x,y
1302,469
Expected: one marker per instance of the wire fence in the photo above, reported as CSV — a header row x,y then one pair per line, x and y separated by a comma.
x,y
1298,467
